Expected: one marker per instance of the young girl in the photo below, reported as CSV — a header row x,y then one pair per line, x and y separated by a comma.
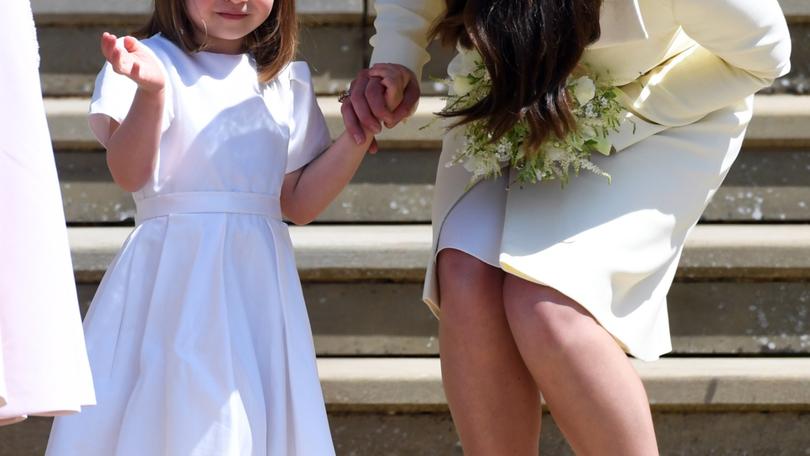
x,y
198,336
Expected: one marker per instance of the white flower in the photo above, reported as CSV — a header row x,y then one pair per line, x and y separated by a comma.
x,y
555,154
587,129
538,174
464,63
504,150
482,166
461,85
473,164
584,90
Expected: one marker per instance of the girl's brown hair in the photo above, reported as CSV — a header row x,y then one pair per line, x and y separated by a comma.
x,y
272,44
530,48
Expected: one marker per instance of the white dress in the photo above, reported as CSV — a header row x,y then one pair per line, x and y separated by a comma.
x,y
43,362
198,336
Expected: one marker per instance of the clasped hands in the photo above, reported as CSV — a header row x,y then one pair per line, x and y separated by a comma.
x,y
382,95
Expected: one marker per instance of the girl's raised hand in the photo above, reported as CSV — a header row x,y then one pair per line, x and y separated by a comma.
x,y
133,60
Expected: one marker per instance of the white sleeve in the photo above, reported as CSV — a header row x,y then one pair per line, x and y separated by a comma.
x,y
309,134
743,45
402,28
112,98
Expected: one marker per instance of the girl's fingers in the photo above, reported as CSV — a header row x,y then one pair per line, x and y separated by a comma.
x,y
123,63
376,97
395,76
131,44
107,44
352,123
119,55
388,70
360,105
115,59
388,74
118,61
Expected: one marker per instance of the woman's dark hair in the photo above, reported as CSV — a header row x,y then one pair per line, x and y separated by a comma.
x,y
272,44
530,48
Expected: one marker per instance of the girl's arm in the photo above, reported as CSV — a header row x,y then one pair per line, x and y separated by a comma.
x,y
306,192
743,46
132,147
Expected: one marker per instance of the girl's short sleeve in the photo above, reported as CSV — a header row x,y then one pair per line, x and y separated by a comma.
x,y
309,135
112,98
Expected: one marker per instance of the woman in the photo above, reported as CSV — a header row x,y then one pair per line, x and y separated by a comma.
x,y
43,363
544,289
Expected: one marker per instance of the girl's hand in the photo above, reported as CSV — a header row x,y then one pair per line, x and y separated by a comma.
x,y
385,93
133,60
349,118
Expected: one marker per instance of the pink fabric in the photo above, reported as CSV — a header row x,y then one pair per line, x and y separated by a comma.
x,y
43,363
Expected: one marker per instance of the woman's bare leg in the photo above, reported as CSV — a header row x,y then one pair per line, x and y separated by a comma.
x,y
594,394
493,399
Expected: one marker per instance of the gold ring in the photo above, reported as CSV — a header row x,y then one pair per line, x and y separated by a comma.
x,y
343,95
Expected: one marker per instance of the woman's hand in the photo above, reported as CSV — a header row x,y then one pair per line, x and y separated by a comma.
x,y
133,60
386,93
396,79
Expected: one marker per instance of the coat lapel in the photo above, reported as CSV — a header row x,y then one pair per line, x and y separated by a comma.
x,y
621,22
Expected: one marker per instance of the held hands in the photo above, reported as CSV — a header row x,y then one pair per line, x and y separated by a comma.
x,y
133,60
384,94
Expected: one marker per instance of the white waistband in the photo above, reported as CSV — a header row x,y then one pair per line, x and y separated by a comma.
x,y
208,203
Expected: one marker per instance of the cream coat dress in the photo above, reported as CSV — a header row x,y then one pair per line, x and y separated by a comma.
x,y
688,70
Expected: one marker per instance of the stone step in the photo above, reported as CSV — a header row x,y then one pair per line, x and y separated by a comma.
x,y
779,121
740,289
400,384
341,253
396,186
766,184
720,406
376,318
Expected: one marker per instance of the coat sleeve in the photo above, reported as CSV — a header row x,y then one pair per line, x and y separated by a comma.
x,y
742,46
402,28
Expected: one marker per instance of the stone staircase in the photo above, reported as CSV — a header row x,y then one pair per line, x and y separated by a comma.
x,y
737,383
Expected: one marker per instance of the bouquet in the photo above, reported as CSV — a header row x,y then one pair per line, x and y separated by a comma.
x,y
596,110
